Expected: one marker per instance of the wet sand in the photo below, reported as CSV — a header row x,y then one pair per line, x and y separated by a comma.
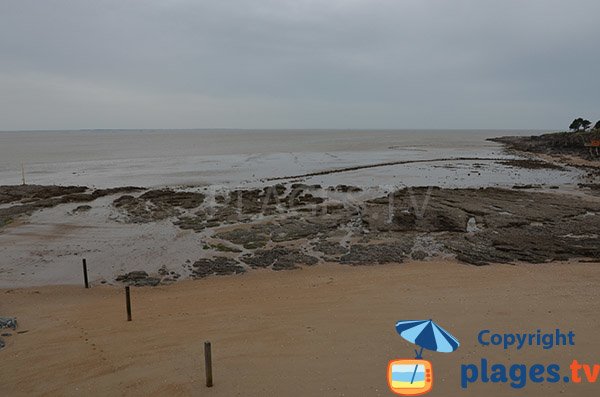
x,y
324,331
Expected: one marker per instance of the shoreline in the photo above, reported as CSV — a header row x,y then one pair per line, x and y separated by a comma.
x,y
160,236
567,148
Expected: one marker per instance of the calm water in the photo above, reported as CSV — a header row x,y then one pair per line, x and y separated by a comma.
x,y
246,157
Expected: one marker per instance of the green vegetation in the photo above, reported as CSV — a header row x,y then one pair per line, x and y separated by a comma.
x,y
580,124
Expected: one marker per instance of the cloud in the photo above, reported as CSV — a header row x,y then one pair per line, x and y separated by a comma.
x,y
298,64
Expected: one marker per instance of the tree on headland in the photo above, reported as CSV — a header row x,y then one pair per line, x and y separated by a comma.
x,y
580,124
576,124
597,126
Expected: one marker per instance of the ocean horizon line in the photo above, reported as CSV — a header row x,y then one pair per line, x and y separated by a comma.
x,y
225,129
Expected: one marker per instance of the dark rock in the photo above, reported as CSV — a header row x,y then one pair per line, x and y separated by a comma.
x,y
528,186
147,282
294,229
30,198
163,271
418,255
532,164
8,322
225,248
591,186
220,266
250,237
329,248
156,205
115,190
346,189
166,197
303,186
278,190
134,275
138,278
370,254
34,193
279,258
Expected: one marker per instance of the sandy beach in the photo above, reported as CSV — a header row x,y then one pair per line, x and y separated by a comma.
x,y
298,284
327,330
341,198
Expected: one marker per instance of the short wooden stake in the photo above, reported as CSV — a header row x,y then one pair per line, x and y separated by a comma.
x,y
128,303
85,275
208,364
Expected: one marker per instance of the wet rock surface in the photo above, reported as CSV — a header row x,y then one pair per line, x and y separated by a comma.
x,y
155,205
220,266
329,248
279,258
345,188
82,208
371,254
593,188
248,237
510,225
532,164
478,226
138,278
295,229
33,193
284,227
25,199
166,197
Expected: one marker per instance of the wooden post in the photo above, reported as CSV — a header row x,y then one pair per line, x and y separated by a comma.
x,y
208,364
128,303
85,276
23,173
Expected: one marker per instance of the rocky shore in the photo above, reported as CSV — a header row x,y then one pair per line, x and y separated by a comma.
x,y
24,199
560,145
287,226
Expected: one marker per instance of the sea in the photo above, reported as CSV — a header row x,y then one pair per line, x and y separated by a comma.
x,y
247,158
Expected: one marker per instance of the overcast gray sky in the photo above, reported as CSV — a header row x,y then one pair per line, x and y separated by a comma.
x,y
298,64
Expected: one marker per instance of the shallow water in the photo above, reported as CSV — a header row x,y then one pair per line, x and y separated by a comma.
x,y
248,157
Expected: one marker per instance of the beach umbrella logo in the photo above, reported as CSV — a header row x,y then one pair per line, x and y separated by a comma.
x,y
413,377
